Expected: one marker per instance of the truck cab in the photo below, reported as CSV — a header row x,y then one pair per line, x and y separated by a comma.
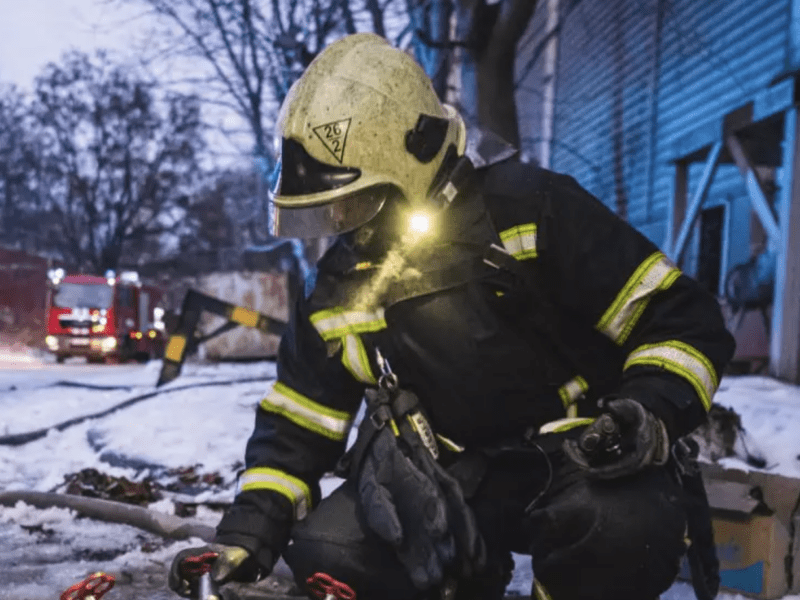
x,y
104,318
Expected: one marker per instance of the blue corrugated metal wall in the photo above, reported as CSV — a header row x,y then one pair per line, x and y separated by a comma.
x,y
617,133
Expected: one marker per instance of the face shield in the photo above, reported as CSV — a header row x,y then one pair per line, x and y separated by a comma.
x,y
329,219
300,175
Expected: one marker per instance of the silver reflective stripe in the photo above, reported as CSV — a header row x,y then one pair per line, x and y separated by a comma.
x,y
449,444
355,359
306,413
655,274
570,392
683,360
565,424
520,241
338,322
264,478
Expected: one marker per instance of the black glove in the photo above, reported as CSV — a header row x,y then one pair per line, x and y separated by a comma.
x,y
470,548
624,439
404,507
414,504
231,563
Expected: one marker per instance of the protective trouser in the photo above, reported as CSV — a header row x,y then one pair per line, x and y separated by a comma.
x,y
589,540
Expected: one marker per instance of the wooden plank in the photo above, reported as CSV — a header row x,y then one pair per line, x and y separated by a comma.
x,y
677,207
697,201
696,139
755,189
794,34
784,360
774,99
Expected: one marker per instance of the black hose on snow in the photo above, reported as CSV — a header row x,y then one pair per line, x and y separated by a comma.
x,y
18,439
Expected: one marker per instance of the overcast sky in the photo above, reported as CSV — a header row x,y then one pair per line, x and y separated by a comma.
x,y
35,32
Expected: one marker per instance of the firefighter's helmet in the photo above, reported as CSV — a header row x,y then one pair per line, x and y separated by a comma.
x,y
362,124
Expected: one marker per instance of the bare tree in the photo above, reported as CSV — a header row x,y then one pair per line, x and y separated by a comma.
x,y
246,54
118,161
18,166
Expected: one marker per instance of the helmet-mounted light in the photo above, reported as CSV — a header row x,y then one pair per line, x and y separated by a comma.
x,y
419,223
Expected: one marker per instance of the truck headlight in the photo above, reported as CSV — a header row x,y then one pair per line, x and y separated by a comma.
x,y
52,342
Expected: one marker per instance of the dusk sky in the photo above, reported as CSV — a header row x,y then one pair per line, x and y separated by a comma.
x,y
35,32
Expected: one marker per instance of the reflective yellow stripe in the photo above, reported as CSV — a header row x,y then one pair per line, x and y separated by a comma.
x,y
539,591
306,413
683,360
561,425
520,241
570,392
244,316
355,359
449,444
175,348
264,478
655,274
338,322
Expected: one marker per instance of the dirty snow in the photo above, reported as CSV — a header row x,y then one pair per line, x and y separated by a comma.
x,y
206,427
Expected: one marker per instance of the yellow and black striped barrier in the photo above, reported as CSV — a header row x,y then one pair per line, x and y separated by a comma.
x,y
185,337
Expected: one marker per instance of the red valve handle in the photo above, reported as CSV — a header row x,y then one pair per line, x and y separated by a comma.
x,y
194,566
323,585
94,586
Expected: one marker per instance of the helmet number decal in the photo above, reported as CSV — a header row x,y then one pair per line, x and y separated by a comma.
x,y
333,136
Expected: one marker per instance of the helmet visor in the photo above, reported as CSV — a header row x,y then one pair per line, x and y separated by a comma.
x,y
330,219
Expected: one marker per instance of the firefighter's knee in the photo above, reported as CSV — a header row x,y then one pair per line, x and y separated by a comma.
x,y
621,540
333,539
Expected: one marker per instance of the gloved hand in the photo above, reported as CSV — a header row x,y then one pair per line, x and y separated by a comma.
x,y
410,501
470,548
404,507
624,439
232,563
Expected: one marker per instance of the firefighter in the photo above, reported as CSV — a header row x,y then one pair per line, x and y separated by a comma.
x,y
528,360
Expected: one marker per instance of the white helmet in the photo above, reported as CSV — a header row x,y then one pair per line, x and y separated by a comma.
x,y
363,123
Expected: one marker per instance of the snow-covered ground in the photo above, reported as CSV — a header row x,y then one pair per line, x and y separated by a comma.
x,y
205,427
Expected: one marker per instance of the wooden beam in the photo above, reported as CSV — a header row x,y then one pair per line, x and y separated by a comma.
x,y
794,35
784,356
676,208
549,75
755,189
676,251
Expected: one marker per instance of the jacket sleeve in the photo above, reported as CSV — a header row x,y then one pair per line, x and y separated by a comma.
x,y
668,328
300,431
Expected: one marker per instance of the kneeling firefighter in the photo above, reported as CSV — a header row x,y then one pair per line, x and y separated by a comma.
x,y
530,365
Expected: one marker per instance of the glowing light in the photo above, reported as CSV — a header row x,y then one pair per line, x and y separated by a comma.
x,y
108,344
419,223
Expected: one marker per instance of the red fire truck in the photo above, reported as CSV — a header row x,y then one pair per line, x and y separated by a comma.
x,y
106,319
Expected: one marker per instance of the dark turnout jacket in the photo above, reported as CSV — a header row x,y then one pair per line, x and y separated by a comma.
x,y
589,307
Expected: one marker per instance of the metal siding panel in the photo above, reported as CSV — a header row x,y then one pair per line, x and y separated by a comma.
x,y
759,67
759,26
586,138
712,91
748,38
